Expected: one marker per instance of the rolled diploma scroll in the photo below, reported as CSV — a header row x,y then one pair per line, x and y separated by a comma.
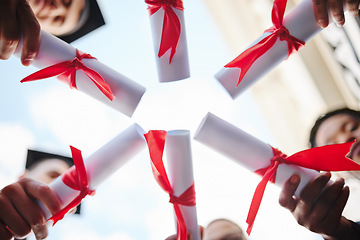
x,y
246,150
179,68
127,92
103,163
180,173
300,22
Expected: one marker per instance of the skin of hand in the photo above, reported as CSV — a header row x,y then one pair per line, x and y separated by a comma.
x,y
17,19
336,9
173,237
319,207
19,212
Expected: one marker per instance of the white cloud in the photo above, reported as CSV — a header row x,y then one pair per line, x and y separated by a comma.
x,y
14,142
77,119
181,105
95,236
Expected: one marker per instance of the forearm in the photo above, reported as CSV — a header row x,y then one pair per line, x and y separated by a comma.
x,y
349,230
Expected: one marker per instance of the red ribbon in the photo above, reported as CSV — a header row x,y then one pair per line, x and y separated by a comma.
x,y
325,158
67,69
156,142
77,179
171,26
250,55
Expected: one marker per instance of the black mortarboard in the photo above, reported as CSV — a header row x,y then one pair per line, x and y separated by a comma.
x,y
91,18
34,157
37,156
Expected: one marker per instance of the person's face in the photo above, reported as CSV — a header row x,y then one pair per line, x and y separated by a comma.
x,y
47,170
57,17
340,129
223,230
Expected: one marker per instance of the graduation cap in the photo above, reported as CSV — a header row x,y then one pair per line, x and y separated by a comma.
x,y
91,18
34,157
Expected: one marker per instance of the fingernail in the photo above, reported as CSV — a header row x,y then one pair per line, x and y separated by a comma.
x,y
28,61
339,24
29,58
294,179
39,234
322,23
340,180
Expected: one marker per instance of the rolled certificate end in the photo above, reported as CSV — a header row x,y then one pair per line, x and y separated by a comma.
x,y
127,93
112,156
180,172
246,150
228,77
175,68
103,163
301,24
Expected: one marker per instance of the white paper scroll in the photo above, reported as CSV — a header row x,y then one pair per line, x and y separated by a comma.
x,y
300,22
180,173
127,92
179,68
103,163
246,150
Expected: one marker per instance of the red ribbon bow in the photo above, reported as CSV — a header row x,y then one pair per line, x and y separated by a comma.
x,y
171,26
68,69
250,55
77,179
156,142
325,158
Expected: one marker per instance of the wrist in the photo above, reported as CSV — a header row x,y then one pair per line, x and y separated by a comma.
x,y
348,230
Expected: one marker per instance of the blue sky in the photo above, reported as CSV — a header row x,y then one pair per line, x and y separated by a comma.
x,y
47,115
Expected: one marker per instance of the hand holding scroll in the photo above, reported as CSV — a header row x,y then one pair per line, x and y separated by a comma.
x,y
19,213
16,19
336,9
319,206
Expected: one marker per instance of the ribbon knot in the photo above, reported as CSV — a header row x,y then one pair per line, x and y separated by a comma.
x,y
156,142
283,33
77,63
245,60
166,7
76,178
86,192
67,70
171,25
278,156
173,199
325,158
169,2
